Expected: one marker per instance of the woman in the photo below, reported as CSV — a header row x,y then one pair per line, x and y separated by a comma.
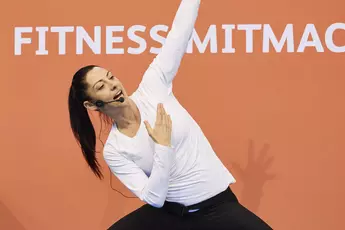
x,y
155,148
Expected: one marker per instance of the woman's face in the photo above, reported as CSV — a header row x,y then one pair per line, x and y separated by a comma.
x,y
104,86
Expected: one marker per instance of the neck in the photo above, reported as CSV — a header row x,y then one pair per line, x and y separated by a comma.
x,y
126,115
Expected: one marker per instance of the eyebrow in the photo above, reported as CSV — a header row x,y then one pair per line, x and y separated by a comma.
x,y
100,80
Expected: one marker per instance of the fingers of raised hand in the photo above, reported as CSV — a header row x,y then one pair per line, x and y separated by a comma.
x,y
164,116
163,119
169,122
159,116
148,127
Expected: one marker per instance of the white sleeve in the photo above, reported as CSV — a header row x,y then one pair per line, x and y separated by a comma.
x,y
153,189
159,76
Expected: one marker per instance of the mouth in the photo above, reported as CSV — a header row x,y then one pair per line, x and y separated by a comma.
x,y
118,95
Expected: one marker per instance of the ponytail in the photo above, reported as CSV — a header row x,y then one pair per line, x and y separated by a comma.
x,y
80,122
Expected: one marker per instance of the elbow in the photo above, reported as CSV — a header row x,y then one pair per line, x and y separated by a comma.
x,y
157,202
158,205
152,199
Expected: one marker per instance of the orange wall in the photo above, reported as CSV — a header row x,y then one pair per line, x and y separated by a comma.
x,y
275,119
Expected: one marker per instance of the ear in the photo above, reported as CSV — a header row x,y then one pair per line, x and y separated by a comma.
x,y
90,106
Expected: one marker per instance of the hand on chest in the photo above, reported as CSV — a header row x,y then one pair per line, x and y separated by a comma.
x,y
140,148
181,121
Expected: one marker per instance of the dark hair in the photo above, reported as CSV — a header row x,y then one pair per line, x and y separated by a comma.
x,y
80,122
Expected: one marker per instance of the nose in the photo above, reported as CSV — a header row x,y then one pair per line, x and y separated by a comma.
x,y
111,84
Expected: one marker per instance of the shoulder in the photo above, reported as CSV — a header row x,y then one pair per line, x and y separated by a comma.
x,y
143,99
112,156
111,146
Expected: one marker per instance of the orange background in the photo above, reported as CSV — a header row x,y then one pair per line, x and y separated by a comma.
x,y
276,120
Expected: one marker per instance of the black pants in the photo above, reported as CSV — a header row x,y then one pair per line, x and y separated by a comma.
x,y
226,214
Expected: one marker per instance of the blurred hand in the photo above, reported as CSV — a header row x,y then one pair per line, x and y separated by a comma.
x,y
161,133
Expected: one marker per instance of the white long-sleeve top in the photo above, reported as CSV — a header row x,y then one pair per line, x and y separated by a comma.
x,y
189,171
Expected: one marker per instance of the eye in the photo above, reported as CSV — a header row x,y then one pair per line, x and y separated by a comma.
x,y
101,87
111,78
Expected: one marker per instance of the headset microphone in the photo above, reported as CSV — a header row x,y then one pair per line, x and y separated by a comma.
x,y
100,103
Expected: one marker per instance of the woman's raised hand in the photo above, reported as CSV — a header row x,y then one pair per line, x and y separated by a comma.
x,y
161,133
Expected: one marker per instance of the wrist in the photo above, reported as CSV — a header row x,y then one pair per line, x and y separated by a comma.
x,y
163,145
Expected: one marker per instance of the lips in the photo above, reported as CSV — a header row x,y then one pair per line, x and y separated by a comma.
x,y
118,95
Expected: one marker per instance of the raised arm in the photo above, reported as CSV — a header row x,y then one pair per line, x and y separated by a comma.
x,y
176,43
165,65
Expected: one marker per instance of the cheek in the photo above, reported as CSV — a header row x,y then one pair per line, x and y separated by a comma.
x,y
104,94
97,95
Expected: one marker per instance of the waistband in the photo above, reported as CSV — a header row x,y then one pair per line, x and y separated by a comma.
x,y
181,210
